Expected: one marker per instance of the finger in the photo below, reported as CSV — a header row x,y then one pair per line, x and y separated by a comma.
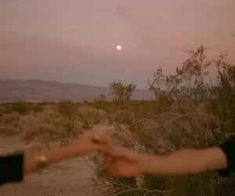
x,y
105,144
109,165
105,149
101,139
119,152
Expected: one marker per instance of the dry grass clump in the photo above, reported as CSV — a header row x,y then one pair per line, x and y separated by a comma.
x,y
48,126
11,119
9,124
91,116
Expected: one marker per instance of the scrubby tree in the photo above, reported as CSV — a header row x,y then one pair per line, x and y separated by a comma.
x,y
222,100
121,91
165,88
188,82
193,73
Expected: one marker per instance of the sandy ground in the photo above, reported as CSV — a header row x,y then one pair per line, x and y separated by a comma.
x,y
70,178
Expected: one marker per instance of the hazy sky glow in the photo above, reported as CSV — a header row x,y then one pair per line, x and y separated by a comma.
x,y
75,40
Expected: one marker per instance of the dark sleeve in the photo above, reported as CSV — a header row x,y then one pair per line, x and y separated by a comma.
x,y
11,168
228,148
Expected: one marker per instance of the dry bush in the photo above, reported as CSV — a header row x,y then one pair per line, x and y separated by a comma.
x,y
122,116
47,126
18,107
121,92
90,116
11,119
67,110
9,124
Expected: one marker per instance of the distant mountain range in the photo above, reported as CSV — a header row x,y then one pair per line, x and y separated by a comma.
x,y
40,91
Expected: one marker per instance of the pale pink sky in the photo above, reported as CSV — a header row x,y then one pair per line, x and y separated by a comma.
x,y
74,40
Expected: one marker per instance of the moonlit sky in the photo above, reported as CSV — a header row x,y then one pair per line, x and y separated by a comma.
x,y
75,40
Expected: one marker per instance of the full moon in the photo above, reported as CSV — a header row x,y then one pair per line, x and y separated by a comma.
x,y
118,47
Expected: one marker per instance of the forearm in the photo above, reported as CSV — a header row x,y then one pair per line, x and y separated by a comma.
x,y
34,162
61,153
185,162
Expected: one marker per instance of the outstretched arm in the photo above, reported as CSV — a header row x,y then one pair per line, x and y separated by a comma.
x,y
83,145
122,162
13,167
185,162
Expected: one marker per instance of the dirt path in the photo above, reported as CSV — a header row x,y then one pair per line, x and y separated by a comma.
x,y
70,178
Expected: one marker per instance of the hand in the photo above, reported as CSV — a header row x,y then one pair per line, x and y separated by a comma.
x,y
89,142
122,162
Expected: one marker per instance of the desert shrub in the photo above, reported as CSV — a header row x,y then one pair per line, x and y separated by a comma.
x,y
48,126
121,91
19,107
182,185
43,133
222,100
90,116
36,107
125,117
67,110
11,119
188,83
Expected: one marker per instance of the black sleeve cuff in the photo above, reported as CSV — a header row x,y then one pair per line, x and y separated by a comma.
x,y
11,168
228,148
